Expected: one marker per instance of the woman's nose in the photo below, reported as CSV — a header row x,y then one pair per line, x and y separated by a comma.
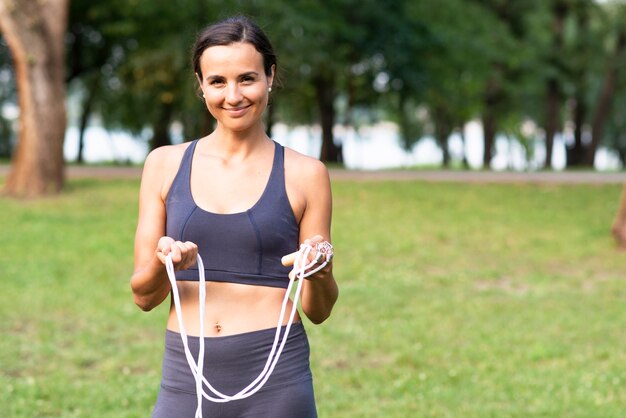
x,y
233,93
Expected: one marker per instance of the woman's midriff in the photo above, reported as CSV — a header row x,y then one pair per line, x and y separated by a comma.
x,y
230,308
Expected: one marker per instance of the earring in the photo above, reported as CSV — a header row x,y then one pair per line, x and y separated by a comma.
x,y
269,90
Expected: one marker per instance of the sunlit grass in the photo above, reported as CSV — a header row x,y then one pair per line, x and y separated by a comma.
x,y
456,301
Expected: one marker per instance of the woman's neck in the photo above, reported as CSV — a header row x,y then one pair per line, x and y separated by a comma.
x,y
238,144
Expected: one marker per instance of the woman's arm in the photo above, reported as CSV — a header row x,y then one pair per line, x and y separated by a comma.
x,y
149,281
319,291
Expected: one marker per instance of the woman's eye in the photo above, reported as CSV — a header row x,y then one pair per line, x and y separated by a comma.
x,y
247,79
216,82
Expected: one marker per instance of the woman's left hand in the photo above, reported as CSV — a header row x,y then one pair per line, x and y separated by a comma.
x,y
318,249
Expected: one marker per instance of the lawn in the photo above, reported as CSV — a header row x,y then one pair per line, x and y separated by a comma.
x,y
456,300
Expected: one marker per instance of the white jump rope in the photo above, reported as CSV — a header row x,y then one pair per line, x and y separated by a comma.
x,y
323,249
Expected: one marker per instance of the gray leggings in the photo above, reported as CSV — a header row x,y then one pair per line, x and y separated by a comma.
x,y
231,363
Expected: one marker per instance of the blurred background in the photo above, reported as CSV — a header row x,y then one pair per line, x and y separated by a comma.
x,y
479,84
491,84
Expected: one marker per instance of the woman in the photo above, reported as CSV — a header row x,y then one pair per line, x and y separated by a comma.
x,y
243,202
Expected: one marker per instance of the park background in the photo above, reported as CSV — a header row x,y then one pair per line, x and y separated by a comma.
x,y
458,299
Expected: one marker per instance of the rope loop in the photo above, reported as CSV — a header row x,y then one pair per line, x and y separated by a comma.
x,y
324,251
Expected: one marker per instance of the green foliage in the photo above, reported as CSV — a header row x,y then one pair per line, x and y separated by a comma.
x,y
615,135
430,66
456,300
332,42
147,75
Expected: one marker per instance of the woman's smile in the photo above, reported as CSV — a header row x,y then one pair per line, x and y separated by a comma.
x,y
236,112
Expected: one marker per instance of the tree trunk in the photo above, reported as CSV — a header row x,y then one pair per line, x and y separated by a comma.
x,y
492,99
619,224
553,102
464,142
445,149
604,101
576,152
325,94
553,91
489,135
161,127
85,114
443,129
35,32
406,128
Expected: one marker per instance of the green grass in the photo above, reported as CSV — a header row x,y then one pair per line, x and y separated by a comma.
x,y
456,300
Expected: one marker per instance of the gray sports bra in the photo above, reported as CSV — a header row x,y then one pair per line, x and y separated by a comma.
x,y
244,247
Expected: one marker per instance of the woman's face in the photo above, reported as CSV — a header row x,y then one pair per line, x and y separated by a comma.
x,y
234,85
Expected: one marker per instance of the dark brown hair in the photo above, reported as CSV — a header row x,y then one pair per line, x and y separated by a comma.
x,y
232,30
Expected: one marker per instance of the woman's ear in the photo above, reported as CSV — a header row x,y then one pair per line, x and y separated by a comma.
x,y
270,78
200,91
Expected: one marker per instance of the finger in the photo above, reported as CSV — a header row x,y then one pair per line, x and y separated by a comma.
x,y
315,239
192,250
185,253
181,245
164,245
161,256
189,254
289,259
314,258
176,252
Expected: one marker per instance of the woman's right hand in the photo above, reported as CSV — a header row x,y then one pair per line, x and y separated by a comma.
x,y
184,254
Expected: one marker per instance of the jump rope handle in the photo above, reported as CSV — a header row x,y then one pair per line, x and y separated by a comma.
x,y
323,249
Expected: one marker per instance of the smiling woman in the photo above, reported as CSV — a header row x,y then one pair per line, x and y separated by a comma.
x,y
234,85
241,202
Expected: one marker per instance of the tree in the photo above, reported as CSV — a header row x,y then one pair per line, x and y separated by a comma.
x,y
548,73
554,94
607,90
509,48
35,33
597,55
321,45
619,224
584,43
96,38
152,85
614,137
451,62
405,43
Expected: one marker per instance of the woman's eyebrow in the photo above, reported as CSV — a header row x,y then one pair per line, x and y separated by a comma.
x,y
213,77
247,73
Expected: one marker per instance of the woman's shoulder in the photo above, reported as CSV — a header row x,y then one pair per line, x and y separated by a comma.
x,y
166,157
306,177
167,153
304,166
161,166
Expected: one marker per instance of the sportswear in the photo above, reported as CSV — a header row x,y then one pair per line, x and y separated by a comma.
x,y
244,247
